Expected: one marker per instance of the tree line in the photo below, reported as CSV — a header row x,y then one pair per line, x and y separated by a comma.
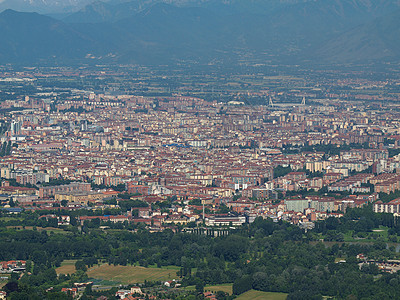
x,y
264,255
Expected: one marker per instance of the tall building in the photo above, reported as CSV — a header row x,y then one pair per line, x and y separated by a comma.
x,y
16,127
84,125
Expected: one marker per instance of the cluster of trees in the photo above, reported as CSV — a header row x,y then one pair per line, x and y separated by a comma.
x,y
328,149
281,171
356,219
389,197
393,152
119,188
333,149
126,205
59,181
3,127
5,149
13,182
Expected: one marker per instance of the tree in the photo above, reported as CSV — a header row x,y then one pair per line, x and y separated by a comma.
x,y
50,275
300,295
28,266
281,171
80,265
10,287
260,281
14,276
199,286
242,285
3,149
119,187
222,295
231,247
8,148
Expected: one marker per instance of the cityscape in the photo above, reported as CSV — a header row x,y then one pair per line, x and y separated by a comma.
x,y
107,151
134,167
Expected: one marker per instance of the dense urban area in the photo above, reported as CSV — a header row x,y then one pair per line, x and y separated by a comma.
x,y
128,182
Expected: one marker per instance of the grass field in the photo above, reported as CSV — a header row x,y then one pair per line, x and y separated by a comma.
x,y
227,288
257,295
67,267
381,232
7,219
131,274
48,229
3,282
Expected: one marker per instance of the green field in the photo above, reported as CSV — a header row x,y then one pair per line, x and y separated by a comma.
x,y
227,288
131,274
381,232
48,229
3,282
67,267
7,219
257,295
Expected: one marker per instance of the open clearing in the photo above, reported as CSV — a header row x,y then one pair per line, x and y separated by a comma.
x,y
48,229
67,267
257,295
227,288
131,274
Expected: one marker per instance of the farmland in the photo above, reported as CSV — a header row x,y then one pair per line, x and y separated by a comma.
x,y
131,274
257,295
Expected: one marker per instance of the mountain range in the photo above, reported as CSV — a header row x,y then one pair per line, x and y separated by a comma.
x,y
44,6
154,31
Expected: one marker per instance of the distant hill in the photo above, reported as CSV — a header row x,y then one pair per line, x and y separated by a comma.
x,y
152,31
30,36
114,10
352,10
44,6
376,40
99,11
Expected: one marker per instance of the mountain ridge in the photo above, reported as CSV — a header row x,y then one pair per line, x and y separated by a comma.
x,y
297,31
375,40
26,36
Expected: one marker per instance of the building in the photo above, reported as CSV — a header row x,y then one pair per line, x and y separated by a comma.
x,y
225,221
50,191
390,207
297,205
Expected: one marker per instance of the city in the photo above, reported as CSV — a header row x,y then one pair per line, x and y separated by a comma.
x,y
100,152
199,150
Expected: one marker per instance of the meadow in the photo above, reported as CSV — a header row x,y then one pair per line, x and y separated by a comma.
x,y
131,274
